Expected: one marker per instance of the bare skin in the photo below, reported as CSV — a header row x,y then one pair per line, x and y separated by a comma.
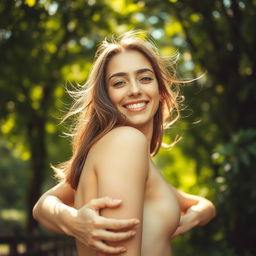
x,y
54,210
119,164
124,170
153,196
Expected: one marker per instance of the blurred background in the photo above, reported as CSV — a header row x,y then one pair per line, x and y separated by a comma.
x,y
46,45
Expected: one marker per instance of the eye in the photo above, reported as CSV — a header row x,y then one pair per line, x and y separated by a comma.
x,y
118,83
146,79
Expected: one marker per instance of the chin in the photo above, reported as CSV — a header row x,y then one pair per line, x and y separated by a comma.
x,y
138,124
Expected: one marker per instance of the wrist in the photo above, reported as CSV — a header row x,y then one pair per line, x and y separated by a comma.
x,y
66,216
204,210
195,216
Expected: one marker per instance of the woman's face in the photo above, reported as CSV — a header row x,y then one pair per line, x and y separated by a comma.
x,y
133,87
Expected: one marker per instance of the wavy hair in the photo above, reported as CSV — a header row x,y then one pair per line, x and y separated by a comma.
x,y
95,114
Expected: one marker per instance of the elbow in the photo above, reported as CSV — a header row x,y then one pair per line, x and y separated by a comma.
x,y
213,210
210,213
36,210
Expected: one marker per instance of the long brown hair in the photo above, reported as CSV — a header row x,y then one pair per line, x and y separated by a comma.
x,y
95,114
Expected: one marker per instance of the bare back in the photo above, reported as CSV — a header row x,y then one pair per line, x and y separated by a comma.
x,y
160,208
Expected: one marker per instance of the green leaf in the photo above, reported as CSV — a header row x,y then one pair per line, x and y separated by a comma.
x,y
252,148
30,3
245,158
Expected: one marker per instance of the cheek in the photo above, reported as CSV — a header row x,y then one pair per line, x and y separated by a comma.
x,y
157,98
114,97
155,94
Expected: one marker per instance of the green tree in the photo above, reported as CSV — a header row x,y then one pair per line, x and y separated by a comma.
x,y
40,42
45,43
220,38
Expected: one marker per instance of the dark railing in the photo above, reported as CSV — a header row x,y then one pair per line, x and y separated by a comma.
x,y
37,246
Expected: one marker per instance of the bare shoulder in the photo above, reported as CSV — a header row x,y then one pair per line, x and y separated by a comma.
x,y
126,133
121,137
121,146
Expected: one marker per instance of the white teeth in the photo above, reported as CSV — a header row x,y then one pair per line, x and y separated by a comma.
x,y
137,105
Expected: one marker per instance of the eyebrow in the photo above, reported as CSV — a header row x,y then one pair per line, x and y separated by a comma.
x,y
139,71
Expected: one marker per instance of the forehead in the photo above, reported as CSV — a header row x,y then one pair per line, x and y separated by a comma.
x,y
127,61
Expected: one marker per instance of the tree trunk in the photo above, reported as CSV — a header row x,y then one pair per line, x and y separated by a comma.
x,y
36,138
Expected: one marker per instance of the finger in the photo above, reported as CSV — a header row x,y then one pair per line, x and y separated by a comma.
x,y
115,237
177,232
105,249
103,202
115,224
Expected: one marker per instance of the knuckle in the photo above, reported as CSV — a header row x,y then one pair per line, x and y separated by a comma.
x,y
93,201
90,243
94,234
96,224
107,198
116,225
105,250
114,238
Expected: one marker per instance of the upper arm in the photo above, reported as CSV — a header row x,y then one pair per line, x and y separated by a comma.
x,y
121,169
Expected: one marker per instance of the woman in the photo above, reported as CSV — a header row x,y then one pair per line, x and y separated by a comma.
x,y
126,103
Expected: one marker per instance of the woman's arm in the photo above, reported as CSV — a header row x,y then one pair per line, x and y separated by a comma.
x,y
53,211
121,166
197,211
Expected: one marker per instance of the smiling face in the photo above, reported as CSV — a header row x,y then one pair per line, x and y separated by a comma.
x,y
133,88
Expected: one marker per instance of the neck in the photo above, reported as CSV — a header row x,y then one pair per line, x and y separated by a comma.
x,y
147,130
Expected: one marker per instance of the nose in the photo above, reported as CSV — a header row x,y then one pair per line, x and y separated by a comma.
x,y
134,88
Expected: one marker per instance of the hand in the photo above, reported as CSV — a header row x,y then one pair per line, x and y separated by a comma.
x,y
91,229
187,221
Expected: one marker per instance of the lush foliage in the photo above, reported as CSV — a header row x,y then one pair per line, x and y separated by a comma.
x,y
46,44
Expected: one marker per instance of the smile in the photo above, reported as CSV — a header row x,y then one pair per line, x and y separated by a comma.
x,y
138,106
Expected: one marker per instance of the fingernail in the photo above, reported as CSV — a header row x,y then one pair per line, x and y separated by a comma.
x,y
133,233
123,249
116,200
136,221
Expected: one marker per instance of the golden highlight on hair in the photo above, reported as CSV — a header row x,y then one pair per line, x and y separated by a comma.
x,y
94,113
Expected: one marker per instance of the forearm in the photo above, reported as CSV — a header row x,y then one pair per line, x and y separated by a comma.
x,y
204,211
197,211
53,214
